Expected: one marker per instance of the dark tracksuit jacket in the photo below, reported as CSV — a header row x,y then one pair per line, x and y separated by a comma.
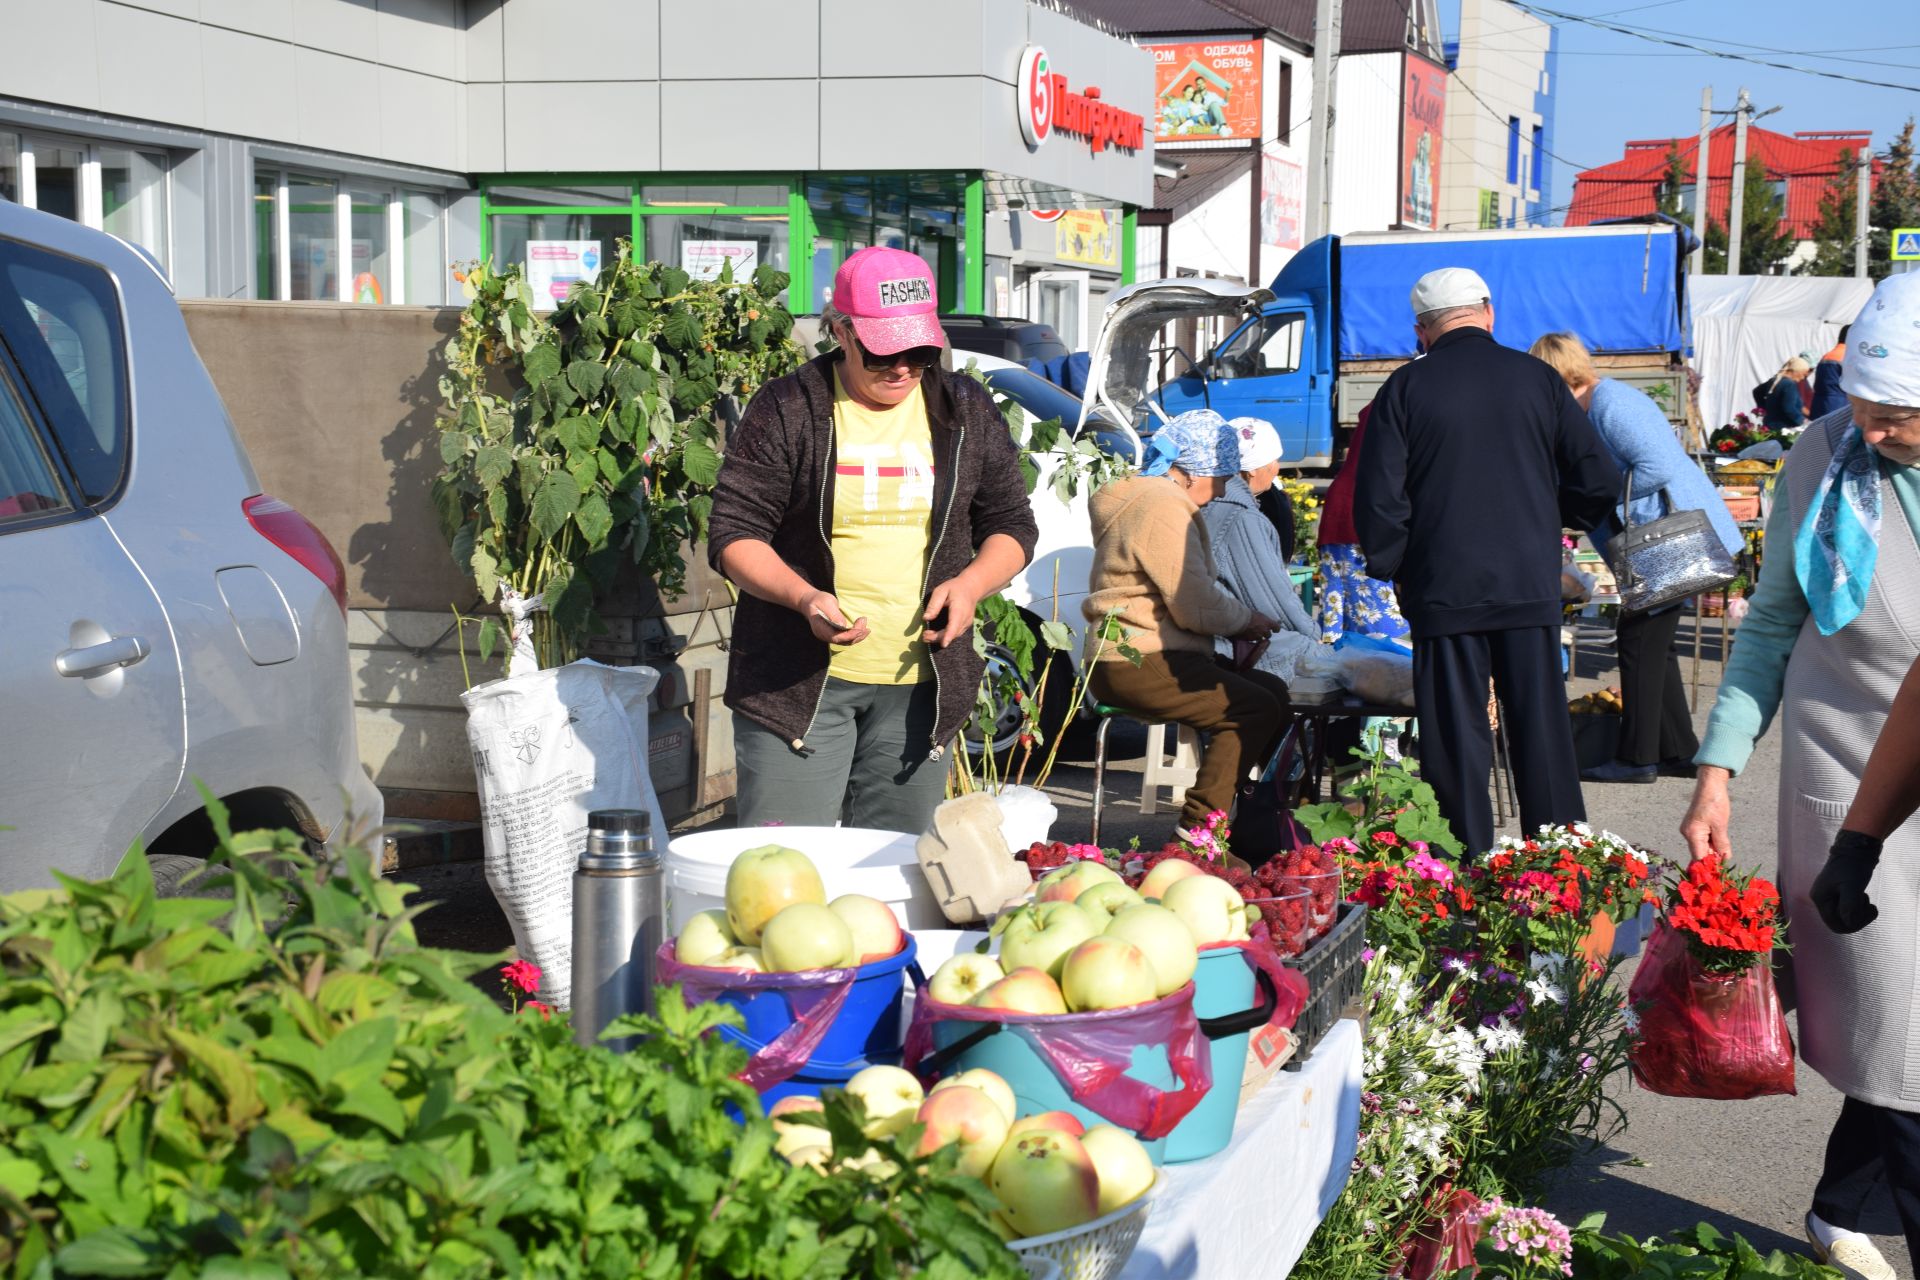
x,y
776,486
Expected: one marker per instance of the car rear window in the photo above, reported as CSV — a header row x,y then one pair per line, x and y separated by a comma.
x,y
28,484
60,318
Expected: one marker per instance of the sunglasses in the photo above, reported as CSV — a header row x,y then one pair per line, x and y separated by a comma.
x,y
918,359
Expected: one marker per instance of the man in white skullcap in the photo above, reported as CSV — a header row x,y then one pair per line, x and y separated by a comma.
x,y
1477,456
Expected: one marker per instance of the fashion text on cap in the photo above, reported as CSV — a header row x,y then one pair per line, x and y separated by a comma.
x,y
888,296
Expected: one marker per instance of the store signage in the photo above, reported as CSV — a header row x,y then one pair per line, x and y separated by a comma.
x,y
1206,90
553,266
1283,199
1047,105
1423,116
1045,215
704,259
1089,236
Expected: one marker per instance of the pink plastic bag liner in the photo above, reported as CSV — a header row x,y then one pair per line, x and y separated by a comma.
x,y
1703,1035
814,995
1091,1052
1291,991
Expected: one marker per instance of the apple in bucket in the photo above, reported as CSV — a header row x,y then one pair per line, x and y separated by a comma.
x,y
1164,939
890,1095
963,977
967,1118
1064,1121
876,933
1105,901
1040,936
704,938
1072,880
1163,875
1107,973
1045,1182
1023,991
806,936
1210,907
1123,1166
988,1082
764,881
740,960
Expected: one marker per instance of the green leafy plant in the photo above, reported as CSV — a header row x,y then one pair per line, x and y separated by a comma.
x,y
1699,1253
1385,795
576,443
286,1084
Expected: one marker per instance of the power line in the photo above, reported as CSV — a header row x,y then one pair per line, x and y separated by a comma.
x,y
1503,118
1649,36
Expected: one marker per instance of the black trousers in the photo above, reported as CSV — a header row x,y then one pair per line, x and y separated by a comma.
x,y
1868,1144
1450,676
1657,724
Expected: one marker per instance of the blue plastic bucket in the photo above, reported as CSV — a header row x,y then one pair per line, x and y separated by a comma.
x,y
1223,986
866,1030
815,1076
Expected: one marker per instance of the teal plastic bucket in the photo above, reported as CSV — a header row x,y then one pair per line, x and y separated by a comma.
x,y
1224,1000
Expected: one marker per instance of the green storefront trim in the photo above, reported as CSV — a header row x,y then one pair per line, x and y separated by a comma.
x,y
960,260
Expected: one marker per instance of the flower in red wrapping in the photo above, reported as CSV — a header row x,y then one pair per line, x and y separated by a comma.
x,y
1730,919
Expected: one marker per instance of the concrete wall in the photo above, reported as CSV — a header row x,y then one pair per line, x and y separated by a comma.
x,y
1503,58
1366,147
336,406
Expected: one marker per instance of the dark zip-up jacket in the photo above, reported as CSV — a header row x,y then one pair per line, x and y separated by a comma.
x,y
1477,456
776,486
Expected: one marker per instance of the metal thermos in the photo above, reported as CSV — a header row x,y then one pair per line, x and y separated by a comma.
x,y
619,916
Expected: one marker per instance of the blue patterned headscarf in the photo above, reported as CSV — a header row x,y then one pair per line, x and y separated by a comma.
x,y
1838,544
1199,442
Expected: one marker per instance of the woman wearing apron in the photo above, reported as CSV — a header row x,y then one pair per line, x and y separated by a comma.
x,y
1833,629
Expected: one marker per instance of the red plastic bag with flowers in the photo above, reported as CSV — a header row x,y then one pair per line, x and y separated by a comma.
x,y
1711,1025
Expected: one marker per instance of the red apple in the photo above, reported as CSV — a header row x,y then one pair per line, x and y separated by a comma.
x,y
987,1082
806,936
1072,880
762,881
1107,973
1046,1182
1064,1121
876,933
1023,991
965,1117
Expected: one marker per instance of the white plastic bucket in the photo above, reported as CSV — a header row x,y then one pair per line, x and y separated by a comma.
x,y
1026,816
880,864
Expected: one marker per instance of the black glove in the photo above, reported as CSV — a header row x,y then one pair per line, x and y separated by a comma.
x,y
1840,890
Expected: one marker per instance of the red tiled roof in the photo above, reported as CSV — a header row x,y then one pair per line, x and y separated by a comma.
x,y
1629,187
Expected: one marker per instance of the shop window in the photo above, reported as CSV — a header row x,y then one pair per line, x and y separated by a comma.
x,y
56,177
762,196
133,196
106,187
424,247
556,248
313,239
266,235
589,196
370,239
71,351
10,167
320,238
699,245
1283,132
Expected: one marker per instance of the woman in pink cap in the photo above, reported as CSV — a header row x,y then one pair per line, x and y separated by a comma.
x,y
867,503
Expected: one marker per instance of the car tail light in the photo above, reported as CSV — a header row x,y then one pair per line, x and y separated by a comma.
x,y
296,535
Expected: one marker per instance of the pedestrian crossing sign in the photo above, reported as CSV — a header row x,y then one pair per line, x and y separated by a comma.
x,y
1906,243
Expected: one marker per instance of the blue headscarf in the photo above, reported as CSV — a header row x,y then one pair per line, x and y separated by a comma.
x,y
1838,544
1199,442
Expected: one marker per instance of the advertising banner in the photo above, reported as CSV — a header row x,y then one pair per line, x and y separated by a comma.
x,y
1283,198
1423,106
553,266
1206,89
1089,236
702,259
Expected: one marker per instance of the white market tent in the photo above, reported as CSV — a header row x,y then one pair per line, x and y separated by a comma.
x,y
1746,327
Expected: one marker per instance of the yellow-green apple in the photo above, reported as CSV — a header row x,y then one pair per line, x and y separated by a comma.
x,y
1105,901
987,1082
792,1137
790,1105
1164,874
963,977
1165,940
1067,883
876,933
1210,907
1002,1228
890,1095
741,959
1023,991
1123,1165
806,935
966,1118
1064,1121
1045,1181
762,881
704,938
873,1163
815,1156
1040,936
1107,973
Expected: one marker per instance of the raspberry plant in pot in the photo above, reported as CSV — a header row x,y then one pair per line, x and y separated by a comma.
x,y
582,443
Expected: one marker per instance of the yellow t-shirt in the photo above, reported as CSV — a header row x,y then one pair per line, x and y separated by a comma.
x,y
882,523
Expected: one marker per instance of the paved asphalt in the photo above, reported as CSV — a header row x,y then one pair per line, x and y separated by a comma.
x,y
1745,1167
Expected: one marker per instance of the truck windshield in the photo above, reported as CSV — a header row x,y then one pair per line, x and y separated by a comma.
x,y
1267,346
1036,395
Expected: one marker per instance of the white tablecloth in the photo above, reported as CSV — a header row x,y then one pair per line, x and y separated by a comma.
x,y
1250,1210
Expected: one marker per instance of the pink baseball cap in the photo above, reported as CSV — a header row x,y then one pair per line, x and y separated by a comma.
x,y
890,297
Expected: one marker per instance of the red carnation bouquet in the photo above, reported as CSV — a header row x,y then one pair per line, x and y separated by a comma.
x,y
1731,920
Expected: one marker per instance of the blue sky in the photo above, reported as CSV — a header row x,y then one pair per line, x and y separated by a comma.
x,y
1613,87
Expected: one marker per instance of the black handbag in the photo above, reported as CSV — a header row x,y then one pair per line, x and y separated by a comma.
x,y
1668,559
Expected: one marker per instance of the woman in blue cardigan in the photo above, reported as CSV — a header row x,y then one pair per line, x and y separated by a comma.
x,y
1656,726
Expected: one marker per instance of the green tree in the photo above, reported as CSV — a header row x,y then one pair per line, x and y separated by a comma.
x,y
1764,244
1833,232
1895,203
1670,185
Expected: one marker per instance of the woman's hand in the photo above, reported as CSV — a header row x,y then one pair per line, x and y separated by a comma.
x,y
1705,826
1259,627
829,621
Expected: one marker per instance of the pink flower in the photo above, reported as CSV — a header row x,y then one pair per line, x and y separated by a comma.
x,y
1085,853
523,974
1428,867
546,1010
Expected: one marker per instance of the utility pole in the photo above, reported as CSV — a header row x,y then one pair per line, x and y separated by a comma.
x,y
1862,196
1736,202
1326,54
1702,181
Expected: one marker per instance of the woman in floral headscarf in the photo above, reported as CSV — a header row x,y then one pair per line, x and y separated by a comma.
x,y
1833,629
1153,569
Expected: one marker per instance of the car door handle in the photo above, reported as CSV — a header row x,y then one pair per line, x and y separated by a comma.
x,y
98,659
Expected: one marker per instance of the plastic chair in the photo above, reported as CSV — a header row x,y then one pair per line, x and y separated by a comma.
x,y
1156,772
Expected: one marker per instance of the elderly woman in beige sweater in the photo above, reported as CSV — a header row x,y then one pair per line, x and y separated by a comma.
x,y
1153,569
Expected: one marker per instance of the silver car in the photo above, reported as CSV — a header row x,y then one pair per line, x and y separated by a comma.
x,y
162,622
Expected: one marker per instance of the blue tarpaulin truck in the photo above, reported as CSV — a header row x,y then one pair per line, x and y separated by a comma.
x,y
1310,351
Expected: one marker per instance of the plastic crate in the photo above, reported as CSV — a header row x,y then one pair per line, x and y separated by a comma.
x,y
1334,972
